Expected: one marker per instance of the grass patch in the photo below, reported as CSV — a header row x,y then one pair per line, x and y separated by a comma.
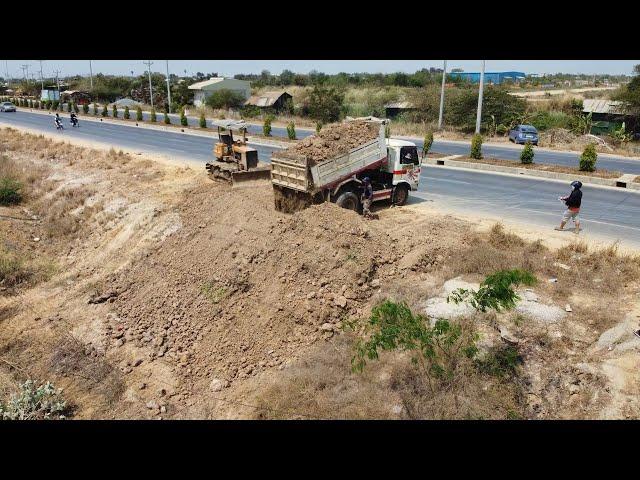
x,y
213,293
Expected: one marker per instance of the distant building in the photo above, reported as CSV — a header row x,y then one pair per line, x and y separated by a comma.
x,y
76,96
49,94
490,77
204,89
394,109
608,115
272,100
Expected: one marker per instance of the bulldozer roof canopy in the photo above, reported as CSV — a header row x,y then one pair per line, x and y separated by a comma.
x,y
230,124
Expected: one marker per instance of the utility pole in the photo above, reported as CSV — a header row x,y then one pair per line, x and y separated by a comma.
x,y
90,75
148,63
479,115
41,79
6,67
444,76
168,87
24,75
58,84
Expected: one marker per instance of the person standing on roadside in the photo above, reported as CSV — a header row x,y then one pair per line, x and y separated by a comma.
x,y
367,197
573,202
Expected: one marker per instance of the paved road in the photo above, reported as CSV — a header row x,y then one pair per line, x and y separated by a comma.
x,y
511,152
610,213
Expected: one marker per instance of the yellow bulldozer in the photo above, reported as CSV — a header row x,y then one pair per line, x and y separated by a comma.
x,y
235,161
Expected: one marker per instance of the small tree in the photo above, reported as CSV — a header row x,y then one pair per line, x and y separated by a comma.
x,y
69,106
75,108
105,112
203,121
266,128
85,108
127,115
387,131
291,131
138,113
95,108
428,142
153,118
167,120
183,118
318,127
588,158
526,156
114,111
476,147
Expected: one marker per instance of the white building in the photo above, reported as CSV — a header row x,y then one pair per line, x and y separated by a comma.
x,y
206,88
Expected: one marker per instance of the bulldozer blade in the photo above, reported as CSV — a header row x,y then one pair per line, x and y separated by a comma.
x,y
249,178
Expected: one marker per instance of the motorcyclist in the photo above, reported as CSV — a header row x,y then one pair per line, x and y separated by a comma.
x,y
58,121
74,119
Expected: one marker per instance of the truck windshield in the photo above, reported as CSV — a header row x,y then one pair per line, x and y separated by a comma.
x,y
409,155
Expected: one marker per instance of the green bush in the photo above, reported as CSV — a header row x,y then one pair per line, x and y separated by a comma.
x,y
49,105
183,118
10,191
203,121
55,105
225,98
95,108
553,119
325,103
85,108
588,158
318,127
75,108
167,120
114,111
291,131
105,112
387,130
127,115
428,142
266,127
43,402
526,156
69,106
476,147
139,113
153,115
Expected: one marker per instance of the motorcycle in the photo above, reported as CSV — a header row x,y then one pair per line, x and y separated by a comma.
x,y
74,122
58,124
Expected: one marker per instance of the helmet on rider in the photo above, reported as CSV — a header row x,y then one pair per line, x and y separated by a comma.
x,y
366,180
576,184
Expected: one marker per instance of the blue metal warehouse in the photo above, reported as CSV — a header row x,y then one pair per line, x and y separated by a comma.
x,y
490,77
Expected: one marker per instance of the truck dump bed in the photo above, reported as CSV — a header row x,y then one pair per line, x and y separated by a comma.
x,y
298,172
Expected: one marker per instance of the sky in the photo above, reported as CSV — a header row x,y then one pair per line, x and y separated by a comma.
x,y
232,67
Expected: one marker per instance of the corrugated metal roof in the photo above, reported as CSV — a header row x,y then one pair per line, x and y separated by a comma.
x,y
400,105
266,99
213,81
602,106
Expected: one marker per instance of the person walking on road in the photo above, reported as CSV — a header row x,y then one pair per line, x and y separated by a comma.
x,y
573,202
368,197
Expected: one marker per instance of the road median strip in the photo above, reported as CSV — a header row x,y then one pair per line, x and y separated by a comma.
x,y
625,181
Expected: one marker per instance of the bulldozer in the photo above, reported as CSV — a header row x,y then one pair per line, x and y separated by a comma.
x,y
235,161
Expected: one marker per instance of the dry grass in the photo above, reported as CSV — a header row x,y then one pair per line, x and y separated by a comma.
x,y
543,167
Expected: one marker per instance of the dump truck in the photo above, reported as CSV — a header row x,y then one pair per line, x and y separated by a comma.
x,y
392,165
235,161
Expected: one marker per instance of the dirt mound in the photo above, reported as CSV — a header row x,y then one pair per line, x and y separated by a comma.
x,y
334,140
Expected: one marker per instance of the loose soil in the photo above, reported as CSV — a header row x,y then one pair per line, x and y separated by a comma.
x,y
178,297
333,140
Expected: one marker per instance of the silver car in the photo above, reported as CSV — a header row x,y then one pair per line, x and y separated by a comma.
x,y
7,107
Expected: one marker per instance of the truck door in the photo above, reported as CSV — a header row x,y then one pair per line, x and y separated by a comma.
x,y
409,167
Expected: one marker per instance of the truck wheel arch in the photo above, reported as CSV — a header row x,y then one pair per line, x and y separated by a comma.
x,y
349,200
401,193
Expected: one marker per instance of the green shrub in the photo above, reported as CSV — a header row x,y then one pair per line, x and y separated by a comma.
x,y
225,98
153,115
183,118
43,402
114,111
428,142
291,131
127,115
75,108
85,108
69,106
105,112
95,108
203,121
138,113
55,105
10,191
588,158
167,120
318,126
49,104
526,156
266,127
476,147
387,130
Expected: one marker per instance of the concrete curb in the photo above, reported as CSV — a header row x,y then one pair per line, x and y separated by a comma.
x,y
625,181
162,128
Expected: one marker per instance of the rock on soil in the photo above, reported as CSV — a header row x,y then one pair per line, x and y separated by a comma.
x,y
333,140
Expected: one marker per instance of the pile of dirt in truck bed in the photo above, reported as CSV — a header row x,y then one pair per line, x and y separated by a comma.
x,y
334,140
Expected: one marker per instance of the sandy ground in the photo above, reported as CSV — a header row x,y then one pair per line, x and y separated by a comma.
x,y
179,297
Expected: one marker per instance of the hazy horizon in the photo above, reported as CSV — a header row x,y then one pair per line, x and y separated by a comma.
x,y
234,67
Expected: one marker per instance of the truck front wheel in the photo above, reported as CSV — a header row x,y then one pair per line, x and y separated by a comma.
x,y
400,195
348,200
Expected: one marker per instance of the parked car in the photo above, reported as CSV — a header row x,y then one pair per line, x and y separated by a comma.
x,y
524,134
7,107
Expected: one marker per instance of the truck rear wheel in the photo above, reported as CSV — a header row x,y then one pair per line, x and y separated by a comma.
x,y
349,200
400,195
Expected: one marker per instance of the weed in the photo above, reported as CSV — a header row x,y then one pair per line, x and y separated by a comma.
x,y
213,294
33,402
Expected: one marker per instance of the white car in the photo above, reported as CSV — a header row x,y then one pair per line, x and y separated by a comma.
x,y
7,107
